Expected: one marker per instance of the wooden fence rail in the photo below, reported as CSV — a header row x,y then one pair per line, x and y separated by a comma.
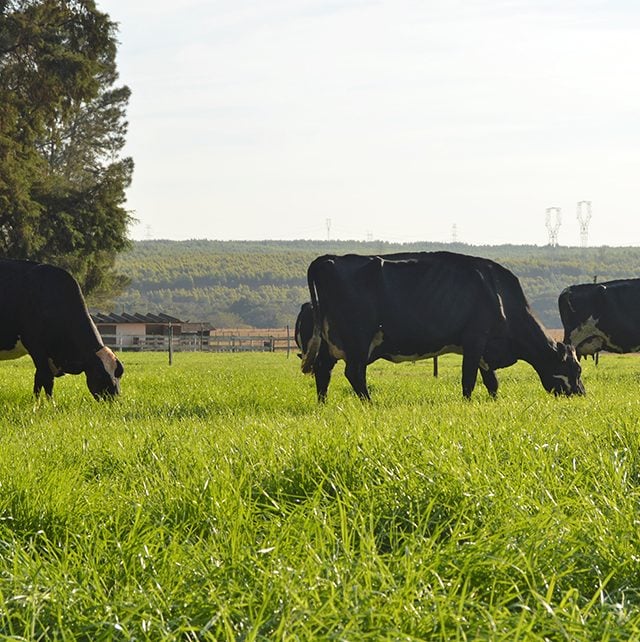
x,y
194,343
218,342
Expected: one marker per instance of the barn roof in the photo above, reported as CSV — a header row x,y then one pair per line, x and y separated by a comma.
x,y
136,317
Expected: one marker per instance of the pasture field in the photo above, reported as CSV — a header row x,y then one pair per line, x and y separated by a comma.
x,y
215,500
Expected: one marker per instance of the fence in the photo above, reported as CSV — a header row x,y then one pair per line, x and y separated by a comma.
x,y
279,340
242,340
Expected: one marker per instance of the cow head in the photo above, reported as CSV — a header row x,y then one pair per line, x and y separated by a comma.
x,y
304,328
563,375
103,371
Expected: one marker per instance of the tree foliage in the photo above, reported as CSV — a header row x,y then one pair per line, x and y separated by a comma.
x,y
62,128
263,284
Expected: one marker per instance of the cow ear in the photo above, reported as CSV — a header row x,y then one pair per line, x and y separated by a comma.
x,y
562,350
119,369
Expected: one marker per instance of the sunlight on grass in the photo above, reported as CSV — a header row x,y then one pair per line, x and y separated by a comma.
x,y
217,500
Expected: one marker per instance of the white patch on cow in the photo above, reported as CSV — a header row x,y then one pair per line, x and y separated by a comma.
x,y
592,345
334,350
309,357
109,361
377,340
612,347
588,338
504,316
563,378
586,331
399,358
16,352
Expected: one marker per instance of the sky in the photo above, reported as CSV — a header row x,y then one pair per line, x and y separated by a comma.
x,y
394,120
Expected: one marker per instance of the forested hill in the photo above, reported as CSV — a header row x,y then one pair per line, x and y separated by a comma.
x,y
263,283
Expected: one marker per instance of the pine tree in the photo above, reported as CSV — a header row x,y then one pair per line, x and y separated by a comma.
x,y
62,131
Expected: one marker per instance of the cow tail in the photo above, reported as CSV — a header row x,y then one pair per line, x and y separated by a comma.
x,y
310,356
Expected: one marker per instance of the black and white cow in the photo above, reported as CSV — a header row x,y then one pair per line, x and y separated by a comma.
x,y
421,305
602,316
43,314
324,362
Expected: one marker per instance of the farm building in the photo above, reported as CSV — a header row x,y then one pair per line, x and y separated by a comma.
x,y
149,331
136,332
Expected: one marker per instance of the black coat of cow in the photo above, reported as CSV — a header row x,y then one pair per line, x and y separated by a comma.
x,y
602,316
43,313
420,305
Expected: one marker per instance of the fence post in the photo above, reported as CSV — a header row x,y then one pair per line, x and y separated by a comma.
x,y
435,366
170,344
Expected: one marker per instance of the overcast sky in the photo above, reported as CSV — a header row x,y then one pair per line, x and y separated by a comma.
x,y
400,120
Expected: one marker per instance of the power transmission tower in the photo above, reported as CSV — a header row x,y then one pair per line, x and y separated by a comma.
x,y
454,233
584,216
328,222
553,221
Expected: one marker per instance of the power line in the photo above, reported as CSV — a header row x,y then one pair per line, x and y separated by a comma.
x,y
584,216
553,222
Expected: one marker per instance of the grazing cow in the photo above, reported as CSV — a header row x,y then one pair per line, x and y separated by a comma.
x,y
602,316
43,314
324,362
420,305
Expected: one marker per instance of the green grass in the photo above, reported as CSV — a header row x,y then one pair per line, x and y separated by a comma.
x,y
215,500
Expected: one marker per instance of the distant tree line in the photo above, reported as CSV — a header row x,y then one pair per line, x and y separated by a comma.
x,y
263,284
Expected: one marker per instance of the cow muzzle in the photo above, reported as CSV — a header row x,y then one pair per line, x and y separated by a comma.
x,y
103,376
563,386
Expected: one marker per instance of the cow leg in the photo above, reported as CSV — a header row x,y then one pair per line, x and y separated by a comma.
x,y
43,379
469,376
490,381
472,350
470,366
44,375
356,373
